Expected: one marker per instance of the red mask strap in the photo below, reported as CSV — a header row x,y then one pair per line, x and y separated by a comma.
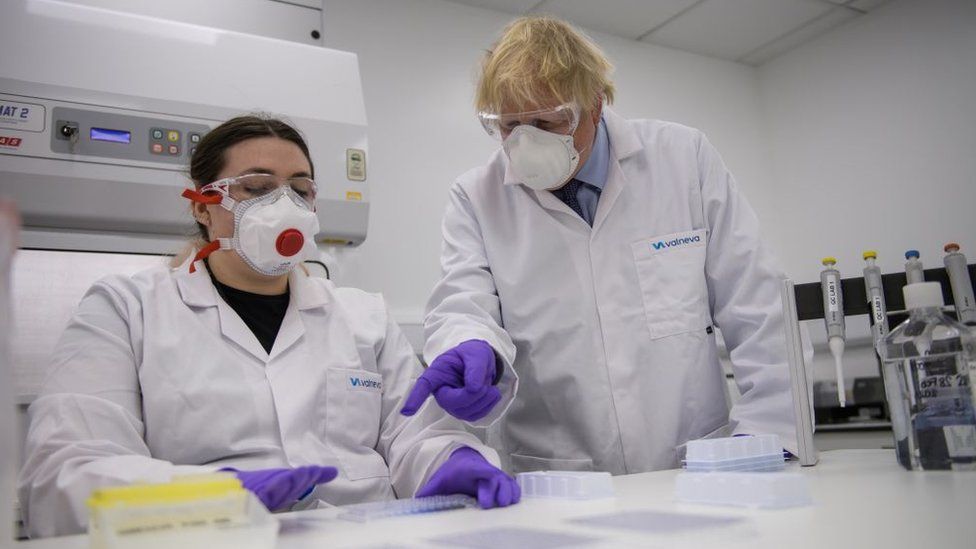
x,y
203,253
202,198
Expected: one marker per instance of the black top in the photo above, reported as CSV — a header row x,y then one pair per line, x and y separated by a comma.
x,y
261,313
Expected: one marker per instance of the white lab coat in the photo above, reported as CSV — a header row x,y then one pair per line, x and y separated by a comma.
x,y
156,375
606,332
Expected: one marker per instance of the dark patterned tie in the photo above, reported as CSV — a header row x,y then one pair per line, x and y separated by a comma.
x,y
568,195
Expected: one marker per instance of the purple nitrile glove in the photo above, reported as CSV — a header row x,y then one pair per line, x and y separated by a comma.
x,y
467,472
279,488
461,379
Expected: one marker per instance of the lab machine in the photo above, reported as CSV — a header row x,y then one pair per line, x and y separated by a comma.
x,y
9,448
100,111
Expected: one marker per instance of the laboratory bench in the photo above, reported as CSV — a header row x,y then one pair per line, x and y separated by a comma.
x,y
862,499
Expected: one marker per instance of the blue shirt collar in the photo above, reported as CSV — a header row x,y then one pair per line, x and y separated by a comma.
x,y
594,171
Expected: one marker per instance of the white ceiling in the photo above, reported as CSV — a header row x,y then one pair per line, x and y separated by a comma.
x,y
746,31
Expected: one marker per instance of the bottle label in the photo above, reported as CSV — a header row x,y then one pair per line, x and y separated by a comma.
x,y
960,440
940,378
943,403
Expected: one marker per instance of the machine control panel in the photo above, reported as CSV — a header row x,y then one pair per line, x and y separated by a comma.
x,y
125,137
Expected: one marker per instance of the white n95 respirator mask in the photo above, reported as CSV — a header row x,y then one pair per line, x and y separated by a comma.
x,y
272,233
542,160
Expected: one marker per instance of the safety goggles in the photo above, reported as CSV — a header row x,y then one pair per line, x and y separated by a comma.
x,y
256,185
560,120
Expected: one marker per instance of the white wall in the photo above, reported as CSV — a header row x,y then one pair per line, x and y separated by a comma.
x,y
872,130
418,60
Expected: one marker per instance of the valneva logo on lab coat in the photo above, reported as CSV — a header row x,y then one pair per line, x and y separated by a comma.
x,y
675,242
361,383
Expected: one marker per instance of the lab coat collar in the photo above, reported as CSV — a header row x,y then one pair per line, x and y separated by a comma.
x,y
596,169
197,290
624,142
305,292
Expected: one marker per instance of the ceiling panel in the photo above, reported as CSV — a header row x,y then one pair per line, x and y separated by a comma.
x,y
507,6
626,18
316,4
867,5
730,29
814,28
748,31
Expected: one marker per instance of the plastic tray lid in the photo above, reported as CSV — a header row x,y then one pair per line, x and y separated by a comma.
x,y
731,448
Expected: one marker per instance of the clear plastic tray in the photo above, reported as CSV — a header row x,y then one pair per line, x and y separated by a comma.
x,y
767,491
755,453
364,512
566,484
771,463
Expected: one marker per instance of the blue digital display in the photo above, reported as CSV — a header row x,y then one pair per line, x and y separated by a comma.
x,y
113,136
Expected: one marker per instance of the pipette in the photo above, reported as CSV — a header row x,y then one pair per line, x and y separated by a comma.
x,y
834,319
962,286
875,293
913,267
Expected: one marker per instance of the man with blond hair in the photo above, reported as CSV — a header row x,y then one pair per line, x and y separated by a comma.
x,y
584,268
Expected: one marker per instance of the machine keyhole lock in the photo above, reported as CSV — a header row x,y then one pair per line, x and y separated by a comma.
x,y
68,131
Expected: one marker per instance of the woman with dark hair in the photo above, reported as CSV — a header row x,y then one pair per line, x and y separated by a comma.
x,y
236,360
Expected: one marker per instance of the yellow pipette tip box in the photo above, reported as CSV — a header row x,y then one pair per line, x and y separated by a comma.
x,y
181,489
210,510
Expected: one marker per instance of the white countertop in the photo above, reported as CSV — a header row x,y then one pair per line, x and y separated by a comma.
x,y
862,498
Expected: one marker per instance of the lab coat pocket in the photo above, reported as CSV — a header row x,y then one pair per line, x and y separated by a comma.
x,y
522,463
353,404
671,271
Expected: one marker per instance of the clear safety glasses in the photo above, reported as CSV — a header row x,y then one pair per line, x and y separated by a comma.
x,y
561,120
256,185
